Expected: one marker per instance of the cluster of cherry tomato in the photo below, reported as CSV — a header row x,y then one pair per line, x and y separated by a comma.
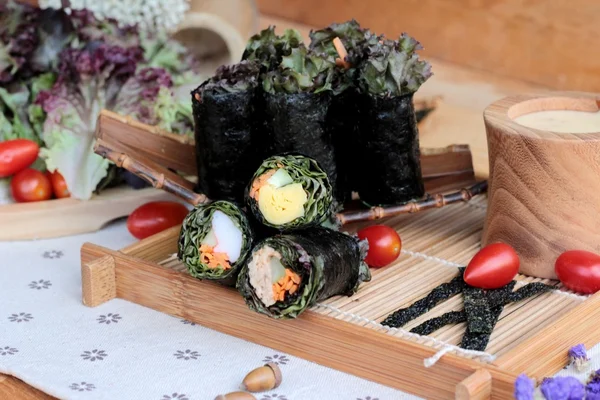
x,y
28,184
497,264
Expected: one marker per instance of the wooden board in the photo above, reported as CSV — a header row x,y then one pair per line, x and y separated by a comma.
x,y
515,38
345,333
65,217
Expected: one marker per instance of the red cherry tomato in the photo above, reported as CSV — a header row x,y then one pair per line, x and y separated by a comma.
x,y
579,271
384,245
492,267
30,185
16,155
59,186
155,217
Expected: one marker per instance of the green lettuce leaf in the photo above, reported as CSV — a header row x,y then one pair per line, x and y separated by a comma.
x,y
393,68
300,72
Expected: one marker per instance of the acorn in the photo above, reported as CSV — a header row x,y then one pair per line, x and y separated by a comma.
x,y
263,378
235,396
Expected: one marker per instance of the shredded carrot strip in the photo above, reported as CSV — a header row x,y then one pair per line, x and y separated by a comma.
x,y
287,284
341,50
260,182
213,259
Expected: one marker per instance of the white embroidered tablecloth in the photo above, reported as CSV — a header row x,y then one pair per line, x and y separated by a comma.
x,y
123,351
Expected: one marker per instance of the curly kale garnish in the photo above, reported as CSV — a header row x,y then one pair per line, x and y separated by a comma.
x,y
268,48
392,68
300,72
234,78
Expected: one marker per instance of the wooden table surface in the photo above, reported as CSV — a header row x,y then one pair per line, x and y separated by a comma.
x,y
458,120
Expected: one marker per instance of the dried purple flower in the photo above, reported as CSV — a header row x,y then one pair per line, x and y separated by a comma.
x,y
563,388
594,377
578,357
592,390
524,388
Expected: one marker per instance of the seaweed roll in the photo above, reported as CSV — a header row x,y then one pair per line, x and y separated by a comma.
x,y
289,192
215,241
226,128
289,273
388,138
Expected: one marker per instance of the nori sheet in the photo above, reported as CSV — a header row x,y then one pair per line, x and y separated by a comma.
x,y
479,340
478,310
342,123
388,150
433,324
296,123
496,299
329,262
225,127
437,295
194,229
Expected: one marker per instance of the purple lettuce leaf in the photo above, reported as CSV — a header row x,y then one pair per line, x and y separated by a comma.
x,y
88,82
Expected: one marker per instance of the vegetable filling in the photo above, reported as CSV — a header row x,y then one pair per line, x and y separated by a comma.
x,y
222,245
271,280
280,200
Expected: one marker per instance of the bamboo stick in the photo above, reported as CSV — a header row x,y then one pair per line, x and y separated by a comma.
x,y
433,201
157,175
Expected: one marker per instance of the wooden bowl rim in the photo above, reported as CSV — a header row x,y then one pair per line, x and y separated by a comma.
x,y
501,113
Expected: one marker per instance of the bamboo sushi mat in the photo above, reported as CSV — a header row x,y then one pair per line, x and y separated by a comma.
x,y
434,244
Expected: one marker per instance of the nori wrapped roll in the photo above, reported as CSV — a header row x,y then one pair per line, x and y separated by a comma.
x,y
214,241
342,117
296,101
388,138
226,128
287,274
289,192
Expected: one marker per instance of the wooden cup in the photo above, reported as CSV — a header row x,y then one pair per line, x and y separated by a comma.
x,y
544,192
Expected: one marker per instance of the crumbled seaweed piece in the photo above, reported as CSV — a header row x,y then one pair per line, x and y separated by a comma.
x,y
432,325
478,310
479,340
495,298
501,296
529,290
442,292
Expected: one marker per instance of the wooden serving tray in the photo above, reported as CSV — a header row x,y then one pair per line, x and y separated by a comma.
x,y
64,217
345,333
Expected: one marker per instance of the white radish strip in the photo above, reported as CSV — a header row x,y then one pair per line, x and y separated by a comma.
x,y
229,236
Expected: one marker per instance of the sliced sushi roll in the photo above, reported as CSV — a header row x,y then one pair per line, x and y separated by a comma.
x,y
290,192
215,241
287,274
